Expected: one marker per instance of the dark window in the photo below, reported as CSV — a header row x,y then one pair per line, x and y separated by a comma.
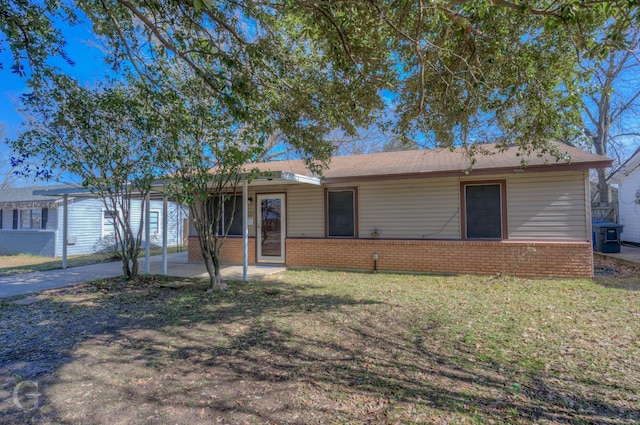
x,y
230,215
31,219
483,211
0,218
341,217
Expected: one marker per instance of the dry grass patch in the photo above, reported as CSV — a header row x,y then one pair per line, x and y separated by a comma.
x,y
329,347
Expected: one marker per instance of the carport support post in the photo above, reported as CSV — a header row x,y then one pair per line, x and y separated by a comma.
x,y
245,231
147,234
165,225
65,228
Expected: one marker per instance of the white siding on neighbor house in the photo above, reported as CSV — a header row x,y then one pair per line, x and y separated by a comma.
x,y
85,226
547,206
628,208
173,225
410,209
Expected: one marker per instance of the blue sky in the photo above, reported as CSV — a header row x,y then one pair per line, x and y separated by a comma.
x,y
89,67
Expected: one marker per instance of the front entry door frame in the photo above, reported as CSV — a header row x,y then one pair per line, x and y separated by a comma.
x,y
266,257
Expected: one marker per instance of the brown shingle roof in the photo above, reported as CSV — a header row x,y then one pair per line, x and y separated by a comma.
x,y
440,162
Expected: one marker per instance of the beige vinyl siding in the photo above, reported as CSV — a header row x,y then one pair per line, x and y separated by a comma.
x,y
410,209
305,211
540,206
547,206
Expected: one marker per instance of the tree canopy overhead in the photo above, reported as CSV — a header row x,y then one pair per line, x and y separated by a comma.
x,y
452,71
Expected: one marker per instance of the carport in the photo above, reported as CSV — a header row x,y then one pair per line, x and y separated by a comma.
x,y
159,191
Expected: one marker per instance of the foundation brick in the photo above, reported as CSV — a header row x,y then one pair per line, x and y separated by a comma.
x,y
530,259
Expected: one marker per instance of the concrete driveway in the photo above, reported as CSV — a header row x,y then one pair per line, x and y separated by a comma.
x,y
177,265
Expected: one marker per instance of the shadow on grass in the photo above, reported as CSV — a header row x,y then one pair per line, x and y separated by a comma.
x,y
264,352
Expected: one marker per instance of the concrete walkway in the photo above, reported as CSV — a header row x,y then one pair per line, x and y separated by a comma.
x,y
628,254
177,265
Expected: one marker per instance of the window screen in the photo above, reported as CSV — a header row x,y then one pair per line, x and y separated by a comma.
x,y
483,211
341,213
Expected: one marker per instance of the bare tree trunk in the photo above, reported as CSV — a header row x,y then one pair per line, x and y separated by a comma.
x,y
603,188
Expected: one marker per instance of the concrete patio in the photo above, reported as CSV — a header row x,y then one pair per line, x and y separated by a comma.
x,y
177,265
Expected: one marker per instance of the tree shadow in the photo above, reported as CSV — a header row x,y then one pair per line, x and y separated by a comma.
x,y
265,352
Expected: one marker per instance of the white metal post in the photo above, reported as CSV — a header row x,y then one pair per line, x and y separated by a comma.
x,y
147,235
65,229
245,231
165,225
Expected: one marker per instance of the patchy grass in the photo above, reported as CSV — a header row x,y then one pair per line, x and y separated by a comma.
x,y
318,347
25,263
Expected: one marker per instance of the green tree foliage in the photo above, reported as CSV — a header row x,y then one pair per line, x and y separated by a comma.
x,y
204,156
452,71
459,70
104,136
31,34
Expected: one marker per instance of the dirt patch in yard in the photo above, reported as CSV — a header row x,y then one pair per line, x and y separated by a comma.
x,y
324,347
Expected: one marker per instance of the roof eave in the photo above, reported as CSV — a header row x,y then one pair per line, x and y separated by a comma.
x,y
475,172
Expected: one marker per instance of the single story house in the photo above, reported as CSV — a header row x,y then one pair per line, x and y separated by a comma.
x,y
32,223
423,211
627,177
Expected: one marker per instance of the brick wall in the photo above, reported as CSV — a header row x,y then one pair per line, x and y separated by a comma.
x,y
539,259
231,251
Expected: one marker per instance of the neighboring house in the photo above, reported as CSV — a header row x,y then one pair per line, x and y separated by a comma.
x,y
627,176
32,224
422,211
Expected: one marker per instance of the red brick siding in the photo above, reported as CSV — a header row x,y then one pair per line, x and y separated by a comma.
x,y
541,259
231,251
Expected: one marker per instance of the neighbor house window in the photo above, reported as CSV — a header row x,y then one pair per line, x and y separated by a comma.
x,y
0,218
109,222
30,219
231,213
341,213
154,222
484,210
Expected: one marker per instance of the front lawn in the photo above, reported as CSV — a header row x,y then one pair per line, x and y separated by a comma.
x,y
316,347
26,263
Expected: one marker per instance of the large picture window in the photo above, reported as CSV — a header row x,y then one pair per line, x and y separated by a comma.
x,y
231,213
341,213
484,212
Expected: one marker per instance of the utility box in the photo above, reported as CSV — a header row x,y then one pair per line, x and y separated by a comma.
x,y
606,236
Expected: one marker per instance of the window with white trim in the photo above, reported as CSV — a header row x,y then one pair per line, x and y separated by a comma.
x,y
109,222
154,222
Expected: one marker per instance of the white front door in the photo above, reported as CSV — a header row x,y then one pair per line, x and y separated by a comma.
x,y
271,228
